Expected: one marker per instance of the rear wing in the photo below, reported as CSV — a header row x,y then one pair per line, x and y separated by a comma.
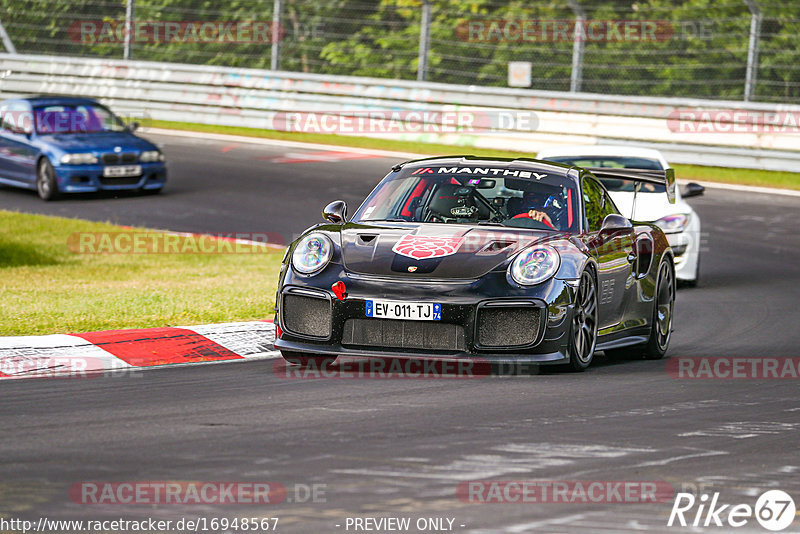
x,y
665,177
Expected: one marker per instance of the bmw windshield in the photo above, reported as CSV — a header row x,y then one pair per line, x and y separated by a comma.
x,y
617,162
522,198
74,119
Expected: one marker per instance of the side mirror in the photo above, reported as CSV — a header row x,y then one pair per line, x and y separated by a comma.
x,y
693,190
132,127
614,222
336,212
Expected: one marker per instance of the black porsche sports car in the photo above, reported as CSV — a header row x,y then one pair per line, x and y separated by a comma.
x,y
507,260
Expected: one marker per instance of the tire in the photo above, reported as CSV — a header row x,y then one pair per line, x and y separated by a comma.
x,y
583,330
308,360
46,183
663,315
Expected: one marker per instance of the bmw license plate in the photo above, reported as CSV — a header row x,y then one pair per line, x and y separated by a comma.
x,y
121,171
412,311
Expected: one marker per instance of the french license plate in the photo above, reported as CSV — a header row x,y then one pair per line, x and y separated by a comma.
x,y
412,311
121,171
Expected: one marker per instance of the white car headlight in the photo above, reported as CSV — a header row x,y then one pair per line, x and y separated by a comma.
x,y
672,224
149,156
534,265
312,253
78,159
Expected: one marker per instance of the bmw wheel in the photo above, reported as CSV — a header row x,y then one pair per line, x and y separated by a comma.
x,y
46,183
584,323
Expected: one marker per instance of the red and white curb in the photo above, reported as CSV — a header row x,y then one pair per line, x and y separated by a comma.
x,y
114,351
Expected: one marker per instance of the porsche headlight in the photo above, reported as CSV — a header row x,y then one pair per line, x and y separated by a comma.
x,y
78,159
149,156
534,265
672,224
312,253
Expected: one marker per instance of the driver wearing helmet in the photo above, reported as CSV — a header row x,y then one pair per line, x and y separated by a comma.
x,y
535,204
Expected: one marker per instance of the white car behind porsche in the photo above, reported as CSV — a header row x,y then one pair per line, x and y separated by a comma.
x,y
679,221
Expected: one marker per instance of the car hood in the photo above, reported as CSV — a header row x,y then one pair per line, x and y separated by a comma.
x,y
649,206
97,142
431,250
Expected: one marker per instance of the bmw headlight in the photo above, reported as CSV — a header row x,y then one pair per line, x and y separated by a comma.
x,y
534,265
149,156
312,253
672,224
78,159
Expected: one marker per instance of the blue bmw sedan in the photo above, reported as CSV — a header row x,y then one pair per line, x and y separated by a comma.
x,y
61,145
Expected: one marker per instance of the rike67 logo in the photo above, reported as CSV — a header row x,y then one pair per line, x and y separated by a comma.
x,y
774,510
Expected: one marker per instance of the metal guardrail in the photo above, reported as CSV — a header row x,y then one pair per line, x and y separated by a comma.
x,y
254,98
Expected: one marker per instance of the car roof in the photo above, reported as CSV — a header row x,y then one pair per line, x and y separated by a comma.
x,y
41,100
600,150
463,160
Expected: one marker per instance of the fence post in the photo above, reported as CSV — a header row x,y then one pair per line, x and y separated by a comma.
x,y
424,41
275,53
752,50
130,8
10,48
577,46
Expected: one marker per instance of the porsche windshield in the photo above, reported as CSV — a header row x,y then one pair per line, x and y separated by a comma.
x,y
522,198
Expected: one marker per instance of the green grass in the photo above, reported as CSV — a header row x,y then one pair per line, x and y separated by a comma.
x,y
48,286
785,180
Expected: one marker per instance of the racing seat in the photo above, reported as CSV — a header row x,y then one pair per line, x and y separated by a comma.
x,y
455,201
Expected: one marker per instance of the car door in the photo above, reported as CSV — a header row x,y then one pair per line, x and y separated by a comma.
x,y
17,153
6,153
612,250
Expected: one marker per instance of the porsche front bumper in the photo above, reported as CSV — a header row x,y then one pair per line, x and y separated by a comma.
x,y
484,318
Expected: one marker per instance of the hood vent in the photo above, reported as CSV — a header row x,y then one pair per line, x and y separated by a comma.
x,y
496,247
366,239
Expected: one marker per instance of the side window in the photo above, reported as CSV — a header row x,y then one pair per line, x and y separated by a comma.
x,y
608,204
3,122
597,202
10,116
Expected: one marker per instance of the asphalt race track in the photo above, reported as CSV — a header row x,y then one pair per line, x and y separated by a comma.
x,y
400,448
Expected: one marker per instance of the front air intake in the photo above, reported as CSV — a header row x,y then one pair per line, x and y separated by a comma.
x,y
399,334
508,326
305,315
